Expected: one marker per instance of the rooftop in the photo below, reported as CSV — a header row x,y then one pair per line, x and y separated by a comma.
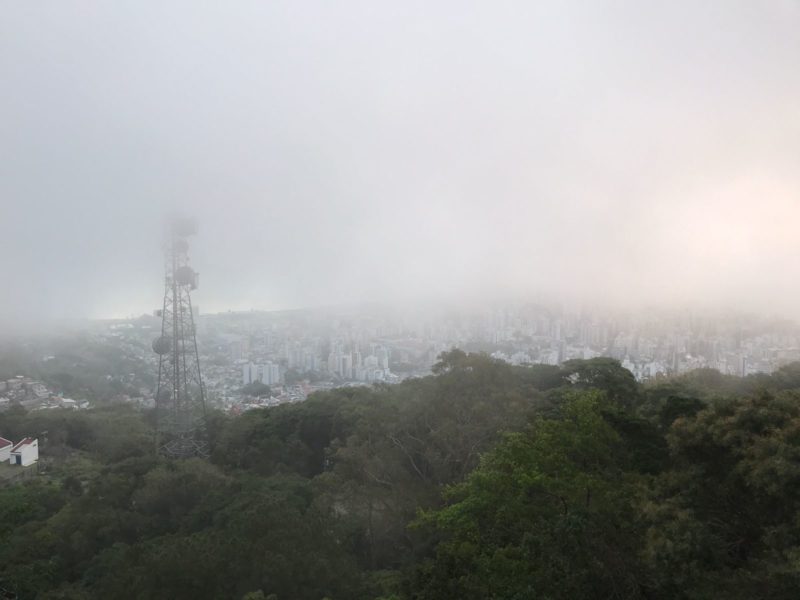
x,y
24,442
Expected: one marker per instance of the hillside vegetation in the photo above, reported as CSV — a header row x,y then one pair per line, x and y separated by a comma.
x,y
482,481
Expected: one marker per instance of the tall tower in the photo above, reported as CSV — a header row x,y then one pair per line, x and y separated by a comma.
x,y
180,397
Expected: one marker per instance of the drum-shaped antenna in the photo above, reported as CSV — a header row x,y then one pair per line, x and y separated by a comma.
x,y
162,345
184,275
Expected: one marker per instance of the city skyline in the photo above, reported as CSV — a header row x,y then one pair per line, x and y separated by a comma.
x,y
292,354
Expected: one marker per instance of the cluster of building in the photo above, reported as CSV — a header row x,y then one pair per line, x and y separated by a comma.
x,y
34,395
282,395
294,354
649,344
344,362
298,352
348,364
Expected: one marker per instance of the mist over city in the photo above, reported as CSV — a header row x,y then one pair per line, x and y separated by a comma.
x,y
400,301
350,152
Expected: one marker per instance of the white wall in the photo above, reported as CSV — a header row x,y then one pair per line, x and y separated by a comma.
x,y
29,453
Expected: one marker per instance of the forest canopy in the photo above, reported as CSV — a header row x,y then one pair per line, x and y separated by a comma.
x,y
484,480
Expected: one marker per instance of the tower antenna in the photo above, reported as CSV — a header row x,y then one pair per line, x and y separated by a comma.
x,y
180,396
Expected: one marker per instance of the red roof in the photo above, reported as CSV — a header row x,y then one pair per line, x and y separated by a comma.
x,y
4,442
27,440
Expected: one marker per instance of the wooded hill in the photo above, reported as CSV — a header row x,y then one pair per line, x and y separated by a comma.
x,y
481,481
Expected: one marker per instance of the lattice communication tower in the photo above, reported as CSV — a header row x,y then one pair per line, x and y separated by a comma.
x,y
180,396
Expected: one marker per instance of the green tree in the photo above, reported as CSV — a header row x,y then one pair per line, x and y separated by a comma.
x,y
606,374
547,514
723,521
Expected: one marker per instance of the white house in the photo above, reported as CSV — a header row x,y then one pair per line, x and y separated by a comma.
x,y
25,453
5,449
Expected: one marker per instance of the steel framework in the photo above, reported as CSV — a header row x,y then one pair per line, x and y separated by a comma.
x,y
180,396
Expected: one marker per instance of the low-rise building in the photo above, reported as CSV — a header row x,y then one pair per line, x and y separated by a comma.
x,y
25,453
5,449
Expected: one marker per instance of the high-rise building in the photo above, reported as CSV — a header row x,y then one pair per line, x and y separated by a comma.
x,y
268,373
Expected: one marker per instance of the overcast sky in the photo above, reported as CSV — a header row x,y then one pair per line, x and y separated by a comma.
x,y
337,152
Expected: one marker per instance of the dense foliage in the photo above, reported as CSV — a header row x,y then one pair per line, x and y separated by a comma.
x,y
482,481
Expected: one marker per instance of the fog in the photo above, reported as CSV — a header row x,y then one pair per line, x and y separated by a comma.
x,y
343,152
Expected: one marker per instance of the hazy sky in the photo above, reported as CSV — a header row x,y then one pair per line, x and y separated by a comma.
x,y
336,152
